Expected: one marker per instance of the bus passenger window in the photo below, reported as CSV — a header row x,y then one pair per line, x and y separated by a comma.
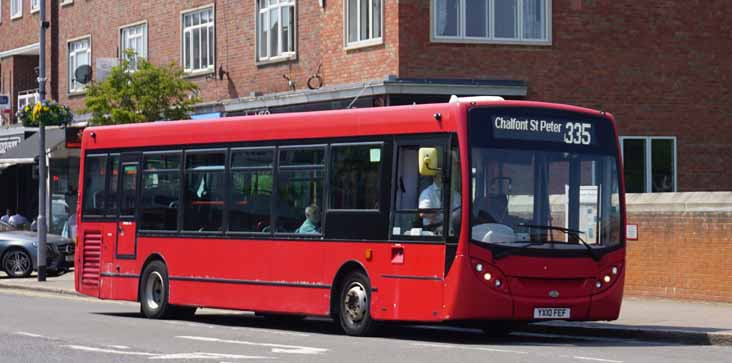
x,y
251,190
160,192
203,203
355,177
300,190
94,184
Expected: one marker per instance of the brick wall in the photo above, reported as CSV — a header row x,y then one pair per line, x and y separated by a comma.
x,y
319,40
684,249
660,71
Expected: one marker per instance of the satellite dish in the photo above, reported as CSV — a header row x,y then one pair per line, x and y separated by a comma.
x,y
83,74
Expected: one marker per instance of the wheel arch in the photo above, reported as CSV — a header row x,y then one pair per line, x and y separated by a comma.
x,y
343,271
150,259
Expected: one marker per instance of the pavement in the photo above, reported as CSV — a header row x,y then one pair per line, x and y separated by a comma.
x,y
651,319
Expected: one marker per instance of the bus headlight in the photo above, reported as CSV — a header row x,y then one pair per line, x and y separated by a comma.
x,y
479,267
487,276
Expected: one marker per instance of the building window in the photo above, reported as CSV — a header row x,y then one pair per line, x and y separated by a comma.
x,y
134,39
276,29
198,40
363,21
492,21
16,9
649,164
27,98
79,55
35,5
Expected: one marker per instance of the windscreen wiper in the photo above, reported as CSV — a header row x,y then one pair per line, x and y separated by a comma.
x,y
510,251
571,232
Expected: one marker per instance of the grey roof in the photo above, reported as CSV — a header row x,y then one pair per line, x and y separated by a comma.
x,y
27,150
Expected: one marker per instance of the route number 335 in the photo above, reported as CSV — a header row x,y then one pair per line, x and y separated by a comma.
x,y
578,133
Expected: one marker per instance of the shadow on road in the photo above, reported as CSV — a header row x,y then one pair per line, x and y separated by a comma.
x,y
437,334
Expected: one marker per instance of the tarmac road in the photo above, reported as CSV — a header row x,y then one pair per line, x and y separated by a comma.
x,y
41,327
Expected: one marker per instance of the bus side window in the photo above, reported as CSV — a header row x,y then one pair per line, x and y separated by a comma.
x,y
203,203
251,190
160,192
300,190
419,210
94,184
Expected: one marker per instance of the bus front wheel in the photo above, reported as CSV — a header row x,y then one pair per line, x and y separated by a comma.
x,y
354,305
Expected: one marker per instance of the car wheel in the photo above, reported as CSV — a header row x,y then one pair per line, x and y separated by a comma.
x,y
154,291
354,307
17,263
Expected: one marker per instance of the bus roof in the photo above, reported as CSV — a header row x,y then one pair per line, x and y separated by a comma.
x,y
301,125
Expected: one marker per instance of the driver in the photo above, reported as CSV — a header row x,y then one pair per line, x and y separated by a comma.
x,y
431,198
492,222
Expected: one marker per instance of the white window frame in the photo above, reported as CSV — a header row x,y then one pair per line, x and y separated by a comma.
x,y
364,42
72,87
212,57
16,9
66,2
35,6
144,36
648,172
490,36
27,98
282,56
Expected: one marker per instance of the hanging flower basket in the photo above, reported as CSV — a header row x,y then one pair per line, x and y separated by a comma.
x,y
49,113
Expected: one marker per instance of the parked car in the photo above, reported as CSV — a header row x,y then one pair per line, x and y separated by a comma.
x,y
19,251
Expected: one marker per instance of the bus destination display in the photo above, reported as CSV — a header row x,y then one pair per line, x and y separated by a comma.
x,y
539,129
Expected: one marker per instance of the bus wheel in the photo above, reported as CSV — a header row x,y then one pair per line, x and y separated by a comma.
x,y
354,305
154,291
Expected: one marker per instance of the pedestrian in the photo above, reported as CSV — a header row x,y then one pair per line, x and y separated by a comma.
x,y
6,217
18,220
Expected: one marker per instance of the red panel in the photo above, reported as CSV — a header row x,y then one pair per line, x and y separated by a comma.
x,y
126,238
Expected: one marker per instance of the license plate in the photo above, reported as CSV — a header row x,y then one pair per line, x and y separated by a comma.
x,y
69,258
551,313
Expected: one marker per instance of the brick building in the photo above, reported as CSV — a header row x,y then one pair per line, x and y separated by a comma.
x,y
664,74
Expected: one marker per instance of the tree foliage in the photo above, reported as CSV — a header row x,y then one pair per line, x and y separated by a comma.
x,y
139,91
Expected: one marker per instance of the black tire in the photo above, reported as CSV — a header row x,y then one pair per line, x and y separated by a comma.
x,y
354,305
154,292
17,262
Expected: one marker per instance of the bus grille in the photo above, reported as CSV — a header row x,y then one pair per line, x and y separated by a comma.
x,y
91,258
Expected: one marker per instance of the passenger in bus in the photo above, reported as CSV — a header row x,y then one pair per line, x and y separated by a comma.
x,y
312,221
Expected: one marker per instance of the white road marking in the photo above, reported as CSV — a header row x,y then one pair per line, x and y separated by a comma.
x,y
276,348
204,355
29,334
598,359
175,356
119,346
108,351
452,346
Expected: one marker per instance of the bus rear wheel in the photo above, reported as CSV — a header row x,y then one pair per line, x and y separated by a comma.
x,y
154,289
354,305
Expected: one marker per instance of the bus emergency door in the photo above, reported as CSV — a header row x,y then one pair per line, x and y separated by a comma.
x,y
126,247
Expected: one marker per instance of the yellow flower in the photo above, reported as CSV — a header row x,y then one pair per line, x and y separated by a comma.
x,y
45,108
27,108
37,110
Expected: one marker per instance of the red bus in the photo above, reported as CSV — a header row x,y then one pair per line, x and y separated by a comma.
x,y
478,211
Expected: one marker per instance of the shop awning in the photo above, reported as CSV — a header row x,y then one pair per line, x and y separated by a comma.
x,y
27,150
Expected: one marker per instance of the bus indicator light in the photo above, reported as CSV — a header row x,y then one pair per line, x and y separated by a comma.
x,y
369,254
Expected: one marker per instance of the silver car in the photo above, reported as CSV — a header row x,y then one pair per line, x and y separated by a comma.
x,y
19,251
